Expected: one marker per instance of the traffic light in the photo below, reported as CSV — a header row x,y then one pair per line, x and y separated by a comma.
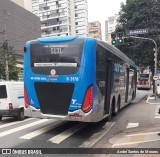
x,y
113,37
120,39
117,38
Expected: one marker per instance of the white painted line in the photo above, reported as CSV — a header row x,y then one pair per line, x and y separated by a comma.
x,y
129,143
99,135
62,136
41,131
147,133
22,127
132,125
157,117
158,104
151,98
157,114
17,122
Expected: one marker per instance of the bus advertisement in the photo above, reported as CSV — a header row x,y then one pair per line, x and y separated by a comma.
x,y
76,78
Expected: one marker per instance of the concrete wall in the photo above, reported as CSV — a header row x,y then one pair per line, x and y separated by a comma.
x,y
27,4
21,25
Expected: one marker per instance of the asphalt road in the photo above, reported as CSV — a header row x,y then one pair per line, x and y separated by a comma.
x,y
138,117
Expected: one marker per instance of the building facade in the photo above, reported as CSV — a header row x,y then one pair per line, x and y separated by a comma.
x,y
95,30
111,22
26,4
106,31
62,17
19,26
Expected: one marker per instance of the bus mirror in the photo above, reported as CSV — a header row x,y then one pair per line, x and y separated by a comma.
x,y
25,49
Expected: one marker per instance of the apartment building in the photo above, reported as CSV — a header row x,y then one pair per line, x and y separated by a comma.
x,y
111,26
62,17
26,4
95,30
106,31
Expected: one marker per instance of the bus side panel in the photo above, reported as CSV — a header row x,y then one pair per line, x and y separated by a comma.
x,y
98,108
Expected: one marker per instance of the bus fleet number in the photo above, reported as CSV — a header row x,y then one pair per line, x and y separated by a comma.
x,y
72,79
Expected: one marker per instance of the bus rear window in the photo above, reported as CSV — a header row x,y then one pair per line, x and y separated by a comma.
x,y
3,92
64,54
144,77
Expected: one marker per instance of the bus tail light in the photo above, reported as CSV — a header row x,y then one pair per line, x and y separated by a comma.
x,y
10,106
26,101
88,100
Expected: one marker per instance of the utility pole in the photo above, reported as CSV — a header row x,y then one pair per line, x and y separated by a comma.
x,y
5,45
155,70
155,59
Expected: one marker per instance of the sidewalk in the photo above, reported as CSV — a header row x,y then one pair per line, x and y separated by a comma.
x,y
152,100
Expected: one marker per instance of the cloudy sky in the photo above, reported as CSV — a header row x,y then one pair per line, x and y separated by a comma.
x,y
100,10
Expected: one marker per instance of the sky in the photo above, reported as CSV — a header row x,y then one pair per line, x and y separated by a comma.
x,y
100,10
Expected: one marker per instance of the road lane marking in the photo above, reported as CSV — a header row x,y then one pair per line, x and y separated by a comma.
x,y
135,139
22,127
67,133
99,135
132,125
12,123
130,143
157,115
41,131
145,133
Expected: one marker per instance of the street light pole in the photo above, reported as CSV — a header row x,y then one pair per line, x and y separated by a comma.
x,y
5,46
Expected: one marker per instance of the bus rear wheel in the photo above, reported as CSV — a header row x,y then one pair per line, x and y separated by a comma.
x,y
116,107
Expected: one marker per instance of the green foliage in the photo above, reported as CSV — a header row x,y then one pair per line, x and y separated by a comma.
x,y
140,14
13,70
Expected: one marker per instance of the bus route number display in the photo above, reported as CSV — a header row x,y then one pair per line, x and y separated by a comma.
x,y
56,49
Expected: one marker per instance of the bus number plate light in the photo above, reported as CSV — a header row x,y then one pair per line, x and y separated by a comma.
x,y
76,117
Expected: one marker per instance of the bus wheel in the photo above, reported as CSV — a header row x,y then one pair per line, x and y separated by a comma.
x,y
21,114
133,96
0,117
116,107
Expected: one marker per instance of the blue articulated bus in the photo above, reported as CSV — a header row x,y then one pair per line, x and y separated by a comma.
x,y
76,78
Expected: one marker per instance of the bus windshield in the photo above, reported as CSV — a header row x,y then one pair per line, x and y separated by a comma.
x,y
143,77
66,54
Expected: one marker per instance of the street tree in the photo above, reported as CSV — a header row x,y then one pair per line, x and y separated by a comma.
x,y
13,70
140,14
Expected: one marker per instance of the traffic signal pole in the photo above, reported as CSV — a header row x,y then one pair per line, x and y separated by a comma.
x,y
155,70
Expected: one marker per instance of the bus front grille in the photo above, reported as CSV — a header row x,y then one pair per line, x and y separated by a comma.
x,y
54,98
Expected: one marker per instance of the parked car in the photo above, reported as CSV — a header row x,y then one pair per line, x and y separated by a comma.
x,y
12,99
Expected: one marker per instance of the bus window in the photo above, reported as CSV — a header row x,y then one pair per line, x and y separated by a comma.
x,y
47,56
